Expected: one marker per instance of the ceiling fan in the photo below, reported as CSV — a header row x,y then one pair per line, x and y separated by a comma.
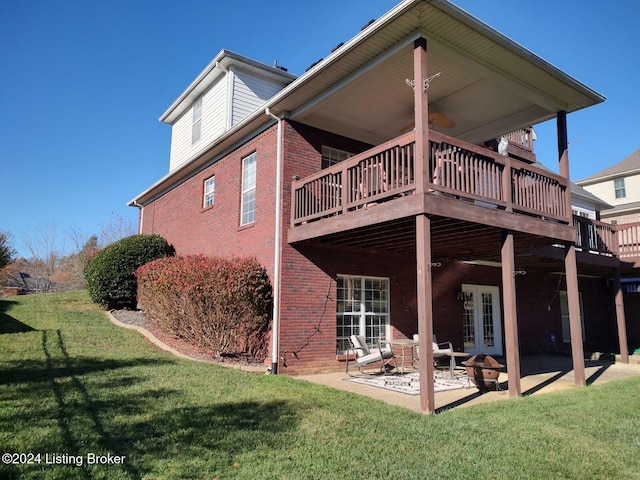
x,y
436,119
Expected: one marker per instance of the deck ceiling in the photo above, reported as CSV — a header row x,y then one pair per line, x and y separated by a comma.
x,y
451,239
487,84
457,240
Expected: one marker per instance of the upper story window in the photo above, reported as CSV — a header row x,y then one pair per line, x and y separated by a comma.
x,y
331,156
196,122
248,207
209,190
618,185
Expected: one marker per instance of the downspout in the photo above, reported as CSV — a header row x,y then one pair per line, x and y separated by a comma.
x,y
228,112
277,249
141,219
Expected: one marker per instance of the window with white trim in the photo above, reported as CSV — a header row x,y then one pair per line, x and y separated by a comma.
x,y
331,156
564,312
618,185
248,206
196,121
209,190
362,309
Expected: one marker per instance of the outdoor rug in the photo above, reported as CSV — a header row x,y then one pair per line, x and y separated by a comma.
x,y
409,383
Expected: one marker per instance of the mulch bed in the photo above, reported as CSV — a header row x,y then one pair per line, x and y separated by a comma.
x,y
138,318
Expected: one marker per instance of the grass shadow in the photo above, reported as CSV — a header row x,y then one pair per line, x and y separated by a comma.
x,y
8,324
107,406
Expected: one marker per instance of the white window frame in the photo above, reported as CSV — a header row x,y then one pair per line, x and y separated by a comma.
x,y
363,307
619,188
248,200
331,156
564,313
209,192
196,121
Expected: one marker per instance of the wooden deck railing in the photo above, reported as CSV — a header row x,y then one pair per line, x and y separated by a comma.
x,y
462,170
595,237
628,239
522,138
619,240
476,173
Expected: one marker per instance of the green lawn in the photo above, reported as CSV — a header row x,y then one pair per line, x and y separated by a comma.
x,y
72,384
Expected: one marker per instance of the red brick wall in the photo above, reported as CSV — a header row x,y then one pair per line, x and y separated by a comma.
x,y
179,215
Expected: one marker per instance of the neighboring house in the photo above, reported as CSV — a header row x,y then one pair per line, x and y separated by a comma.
x,y
618,185
392,189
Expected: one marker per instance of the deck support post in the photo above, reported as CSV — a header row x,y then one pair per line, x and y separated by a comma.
x,y
563,157
423,228
620,318
575,325
570,263
421,113
425,313
510,313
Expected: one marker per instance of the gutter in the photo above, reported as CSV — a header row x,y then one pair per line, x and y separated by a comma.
x,y
277,262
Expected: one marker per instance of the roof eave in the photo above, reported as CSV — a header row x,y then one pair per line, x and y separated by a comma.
x,y
221,62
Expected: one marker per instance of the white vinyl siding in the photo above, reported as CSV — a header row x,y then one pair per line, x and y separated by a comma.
x,y
213,124
248,203
564,312
196,121
226,103
249,93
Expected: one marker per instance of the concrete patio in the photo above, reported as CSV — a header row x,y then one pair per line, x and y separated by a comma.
x,y
540,374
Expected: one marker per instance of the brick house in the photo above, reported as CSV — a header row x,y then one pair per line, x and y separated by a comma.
x,y
393,189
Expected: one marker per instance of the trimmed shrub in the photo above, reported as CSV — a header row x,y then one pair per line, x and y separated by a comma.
x,y
220,304
109,275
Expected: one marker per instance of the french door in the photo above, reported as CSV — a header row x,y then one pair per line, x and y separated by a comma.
x,y
481,320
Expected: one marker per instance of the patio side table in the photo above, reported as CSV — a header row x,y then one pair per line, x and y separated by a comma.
x,y
452,361
403,344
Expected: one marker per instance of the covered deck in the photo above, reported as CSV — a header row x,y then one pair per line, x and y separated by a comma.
x,y
441,196
436,191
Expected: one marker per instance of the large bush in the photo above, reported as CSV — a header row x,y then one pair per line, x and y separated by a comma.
x,y
109,275
217,303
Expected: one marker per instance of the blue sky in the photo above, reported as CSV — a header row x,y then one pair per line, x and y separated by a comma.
x,y
83,83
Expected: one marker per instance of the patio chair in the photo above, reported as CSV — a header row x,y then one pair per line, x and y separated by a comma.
x,y
440,350
365,355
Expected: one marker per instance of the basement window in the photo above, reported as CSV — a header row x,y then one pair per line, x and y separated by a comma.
x,y
362,308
